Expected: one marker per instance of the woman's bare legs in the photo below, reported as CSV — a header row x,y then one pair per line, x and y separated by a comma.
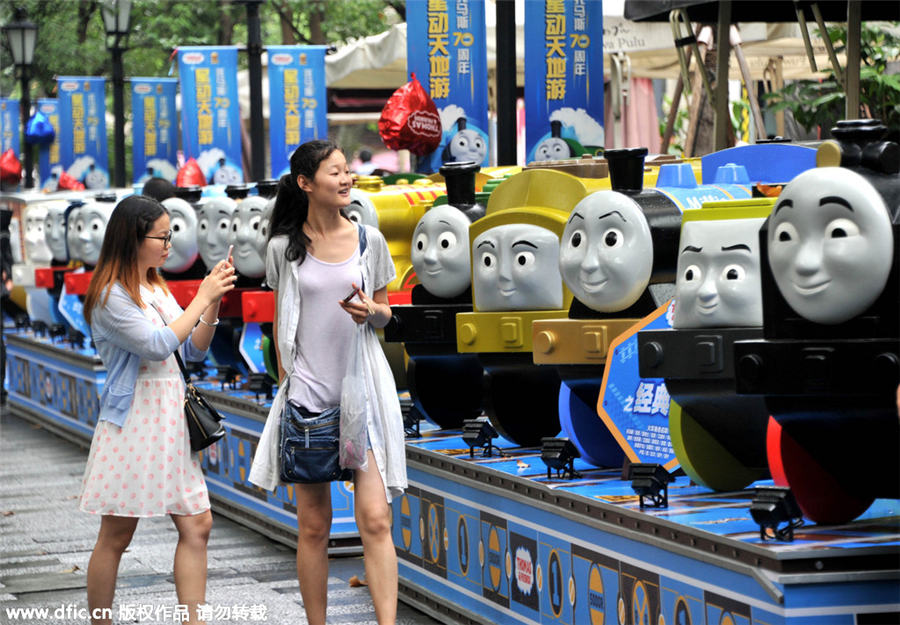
x,y
190,560
313,529
373,518
103,567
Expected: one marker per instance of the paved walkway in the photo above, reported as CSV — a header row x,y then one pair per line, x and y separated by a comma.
x,y
45,544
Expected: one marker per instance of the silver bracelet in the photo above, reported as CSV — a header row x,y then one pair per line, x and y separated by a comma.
x,y
211,325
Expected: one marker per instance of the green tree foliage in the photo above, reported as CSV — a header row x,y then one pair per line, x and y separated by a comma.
x,y
71,38
821,103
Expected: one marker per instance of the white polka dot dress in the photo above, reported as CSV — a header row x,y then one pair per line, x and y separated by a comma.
x,y
146,467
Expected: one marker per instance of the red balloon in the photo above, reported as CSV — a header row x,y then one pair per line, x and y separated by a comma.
x,y
10,167
67,182
410,121
190,175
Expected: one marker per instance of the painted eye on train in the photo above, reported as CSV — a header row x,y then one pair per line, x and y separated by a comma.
x,y
223,224
577,238
613,238
489,260
525,259
421,241
202,226
786,232
447,240
734,272
692,273
841,228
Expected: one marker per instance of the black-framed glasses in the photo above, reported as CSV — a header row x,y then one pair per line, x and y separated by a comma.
x,y
167,240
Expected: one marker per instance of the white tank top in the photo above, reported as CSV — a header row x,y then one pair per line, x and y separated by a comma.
x,y
324,332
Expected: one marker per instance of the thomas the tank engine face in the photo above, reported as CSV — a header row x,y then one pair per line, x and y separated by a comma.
x,y
830,244
183,222
36,248
718,283
467,145
440,251
214,229
552,149
55,231
245,224
91,226
606,255
361,208
515,268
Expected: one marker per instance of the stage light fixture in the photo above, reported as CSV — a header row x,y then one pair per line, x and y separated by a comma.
x,y
479,433
650,480
775,508
560,454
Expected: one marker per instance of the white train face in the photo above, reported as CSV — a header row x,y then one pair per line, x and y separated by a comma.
x,y
361,208
262,235
245,225
606,255
467,145
72,233
718,282
514,268
214,229
183,220
36,248
552,149
55,230
440,251
91,226
830,244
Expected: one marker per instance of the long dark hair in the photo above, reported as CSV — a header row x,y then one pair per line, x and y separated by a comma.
x,y
128,225
291,203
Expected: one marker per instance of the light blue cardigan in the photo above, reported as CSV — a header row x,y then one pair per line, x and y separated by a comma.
x,y
123,336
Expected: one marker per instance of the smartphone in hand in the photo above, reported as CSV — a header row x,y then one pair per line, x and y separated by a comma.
x,y
230,249
352,294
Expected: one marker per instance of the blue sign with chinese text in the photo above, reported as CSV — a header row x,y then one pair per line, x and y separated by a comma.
x,y
446,50
82,130
154,128
297,102
210,119
10,126
563,78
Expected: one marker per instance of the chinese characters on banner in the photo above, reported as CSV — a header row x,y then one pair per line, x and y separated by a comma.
x,y
82,130
49,163
563,78
10,126
210,119
154,128
446,50
297,103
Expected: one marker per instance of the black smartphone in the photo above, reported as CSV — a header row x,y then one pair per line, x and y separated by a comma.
x,y
352,294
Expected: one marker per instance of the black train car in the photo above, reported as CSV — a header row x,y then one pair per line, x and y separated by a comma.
x,y
828,364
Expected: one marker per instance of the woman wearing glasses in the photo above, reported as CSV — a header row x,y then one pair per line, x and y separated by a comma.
x,y
140,463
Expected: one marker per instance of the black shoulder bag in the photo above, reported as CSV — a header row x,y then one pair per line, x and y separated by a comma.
x,y
203,421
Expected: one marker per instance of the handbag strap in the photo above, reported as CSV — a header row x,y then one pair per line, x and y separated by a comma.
x,y
187,377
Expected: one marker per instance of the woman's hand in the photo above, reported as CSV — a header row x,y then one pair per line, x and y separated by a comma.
x,y
360,308
219,281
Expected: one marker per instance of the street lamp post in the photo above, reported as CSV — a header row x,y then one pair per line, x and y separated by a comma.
x,y
116,15
22,35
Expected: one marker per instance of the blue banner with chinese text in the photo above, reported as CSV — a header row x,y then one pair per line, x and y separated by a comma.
x,y
297,103
446,50
10,126
49,163
210,119
154,128
82,130
563,78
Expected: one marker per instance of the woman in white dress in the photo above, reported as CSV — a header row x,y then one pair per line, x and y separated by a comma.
x,y
140,463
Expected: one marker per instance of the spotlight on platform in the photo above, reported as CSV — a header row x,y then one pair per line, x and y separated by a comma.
x,y
560,454
479,433
650,480
260,383
773,506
